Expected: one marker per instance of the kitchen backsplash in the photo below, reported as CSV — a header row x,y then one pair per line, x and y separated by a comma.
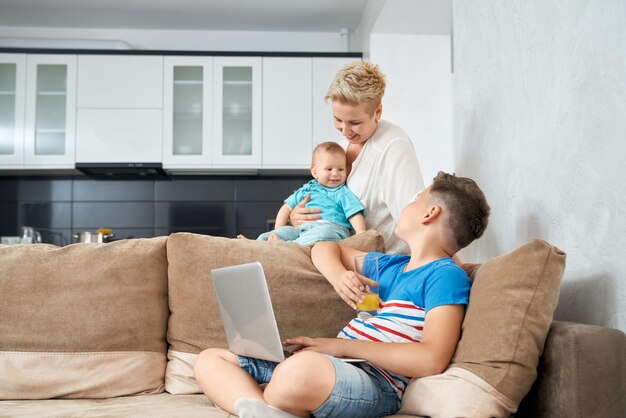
x,y
62,206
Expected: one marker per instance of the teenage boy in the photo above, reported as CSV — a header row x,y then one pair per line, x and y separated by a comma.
x,y
423,299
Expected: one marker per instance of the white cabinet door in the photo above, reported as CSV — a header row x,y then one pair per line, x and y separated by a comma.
x,y
287,112
187,112
324,71
119,136
237,106
12,99
50,111
120,82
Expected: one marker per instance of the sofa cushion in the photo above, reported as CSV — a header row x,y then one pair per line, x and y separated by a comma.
x,y
297,290
512,301
83,321
162,405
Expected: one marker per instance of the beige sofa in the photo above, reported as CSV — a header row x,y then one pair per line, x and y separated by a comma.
x,y
95,330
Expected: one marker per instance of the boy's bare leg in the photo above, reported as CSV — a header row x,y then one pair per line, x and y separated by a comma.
x,y
273,238
301,384
221,378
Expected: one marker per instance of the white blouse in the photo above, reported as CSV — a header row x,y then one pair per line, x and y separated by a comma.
x,y
386,176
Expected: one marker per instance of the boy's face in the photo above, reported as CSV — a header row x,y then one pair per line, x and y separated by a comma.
x,y
356,122
413,213
329,169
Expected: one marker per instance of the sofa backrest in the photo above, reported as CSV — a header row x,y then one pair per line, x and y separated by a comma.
x,y
304,302
83,321
90,320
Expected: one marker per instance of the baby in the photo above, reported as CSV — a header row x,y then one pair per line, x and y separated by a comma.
x,y
341,213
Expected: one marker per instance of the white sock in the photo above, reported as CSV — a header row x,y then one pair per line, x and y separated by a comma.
x,y
255,408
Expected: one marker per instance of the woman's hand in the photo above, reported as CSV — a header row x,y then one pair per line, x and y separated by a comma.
x,y
301,215
351,287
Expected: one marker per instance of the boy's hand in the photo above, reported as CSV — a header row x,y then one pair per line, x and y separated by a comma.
x,y
301,214
332,346
351,287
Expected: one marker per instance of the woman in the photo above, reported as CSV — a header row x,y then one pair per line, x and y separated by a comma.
x,y
382,165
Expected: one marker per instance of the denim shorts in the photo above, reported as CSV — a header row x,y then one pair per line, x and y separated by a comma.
x,y
357,393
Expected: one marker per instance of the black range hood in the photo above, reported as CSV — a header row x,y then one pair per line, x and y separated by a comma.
x,y
122,170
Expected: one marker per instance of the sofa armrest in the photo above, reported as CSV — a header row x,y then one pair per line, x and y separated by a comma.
x,y
582,373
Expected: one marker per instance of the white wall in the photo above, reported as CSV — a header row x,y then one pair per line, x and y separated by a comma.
x,y
414,17
175,40
418,96
410,41
360,39
540,123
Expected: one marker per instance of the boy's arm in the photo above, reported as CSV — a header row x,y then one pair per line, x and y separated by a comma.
x,y
282,216
358,223
442,330
336,263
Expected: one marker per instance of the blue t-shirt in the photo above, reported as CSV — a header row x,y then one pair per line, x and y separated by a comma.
x,y
405,299
337,204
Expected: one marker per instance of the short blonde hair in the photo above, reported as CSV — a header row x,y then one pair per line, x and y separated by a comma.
x,y
358,82
330,147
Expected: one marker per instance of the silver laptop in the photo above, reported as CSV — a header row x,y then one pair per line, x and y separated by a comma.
x,y
247,313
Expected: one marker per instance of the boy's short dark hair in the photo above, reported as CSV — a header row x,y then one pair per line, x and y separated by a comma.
x,y
466,206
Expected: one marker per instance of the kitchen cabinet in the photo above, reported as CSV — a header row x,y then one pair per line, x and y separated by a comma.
x,y
237,107
12,102
187,112
246,112
287,112
324,71
120,82
50,111
120,109
119,136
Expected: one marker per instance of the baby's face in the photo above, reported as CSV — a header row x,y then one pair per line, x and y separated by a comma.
x,y
330,169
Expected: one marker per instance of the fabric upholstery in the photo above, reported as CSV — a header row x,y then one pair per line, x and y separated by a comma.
x,y
582,373
297,289
469,396
159,405
85,310
512,301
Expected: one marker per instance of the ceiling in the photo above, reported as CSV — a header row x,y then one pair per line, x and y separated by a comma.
x,y
233,15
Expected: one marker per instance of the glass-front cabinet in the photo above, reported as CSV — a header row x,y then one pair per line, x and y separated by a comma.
x,y
237,105
218,112
187,110
50,111
12,96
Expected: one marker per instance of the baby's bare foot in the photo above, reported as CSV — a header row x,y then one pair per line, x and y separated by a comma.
x,y
241,237
273,238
